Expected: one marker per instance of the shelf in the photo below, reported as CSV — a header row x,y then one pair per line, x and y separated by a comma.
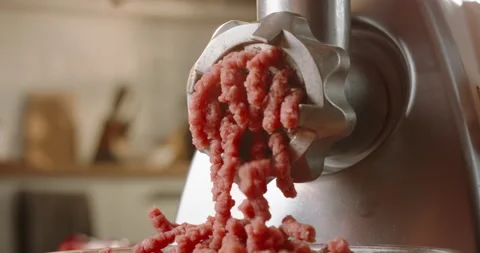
x,y
170,9
178,170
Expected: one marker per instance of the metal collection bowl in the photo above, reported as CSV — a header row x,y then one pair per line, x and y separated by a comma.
x,y
319,248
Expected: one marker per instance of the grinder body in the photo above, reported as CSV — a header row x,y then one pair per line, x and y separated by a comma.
x,y
408,173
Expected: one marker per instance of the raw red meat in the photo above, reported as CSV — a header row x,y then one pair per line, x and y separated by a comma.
x,y
271,115
257,82
239,112
289,109
258,76
281,164
338,245
231,244
159,221
205,89
233,76
299,231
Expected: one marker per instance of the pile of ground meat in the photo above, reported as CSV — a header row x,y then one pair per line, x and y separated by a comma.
x,y
240,112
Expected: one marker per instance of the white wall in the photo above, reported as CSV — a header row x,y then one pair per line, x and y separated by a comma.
x,y
88,54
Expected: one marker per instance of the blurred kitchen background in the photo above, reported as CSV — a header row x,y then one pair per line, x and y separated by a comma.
x,y
93,121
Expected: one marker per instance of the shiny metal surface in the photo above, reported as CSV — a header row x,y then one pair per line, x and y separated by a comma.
x,y
420,187
329,19
377,88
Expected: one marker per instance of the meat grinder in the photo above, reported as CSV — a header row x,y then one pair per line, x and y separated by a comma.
x,y
388,154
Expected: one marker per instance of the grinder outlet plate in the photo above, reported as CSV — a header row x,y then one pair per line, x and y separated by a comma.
x,y
377,87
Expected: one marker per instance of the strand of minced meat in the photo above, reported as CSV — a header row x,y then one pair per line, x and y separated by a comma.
x,y
289,109
291,227
281,161
271,115
232,242
186,242
159,221
257,235
233,75
213,121
202,92
218,121
253,183
338,245
223,177
223,171
257,79
256,84
230,134
205,122
256,205
159,241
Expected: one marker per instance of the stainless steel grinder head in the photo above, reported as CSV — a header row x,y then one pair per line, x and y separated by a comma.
x,y
327,116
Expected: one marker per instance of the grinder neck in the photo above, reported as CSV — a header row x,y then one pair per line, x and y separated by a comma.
x,y
329,20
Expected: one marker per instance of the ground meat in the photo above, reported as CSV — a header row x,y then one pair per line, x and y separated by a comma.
x,y
271,115
299,231
253,183
338,245
218,234
204,250
289,109
203,245
187,241
253,176
277,238
298,246
237,228
257,82
256,208
159,221
258,76
230,134
257,236
217,162
206,88
159,241
239,113
233,75
255,123
232,244
281,164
